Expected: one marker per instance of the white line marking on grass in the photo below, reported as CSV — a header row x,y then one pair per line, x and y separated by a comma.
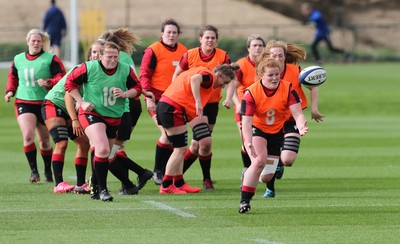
x,y
264,241
170,209
68,210
193,207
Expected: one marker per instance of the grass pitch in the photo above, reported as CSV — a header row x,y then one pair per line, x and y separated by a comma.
x,y
343,188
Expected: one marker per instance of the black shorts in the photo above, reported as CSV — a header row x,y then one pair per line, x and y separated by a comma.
x,y
125,128
135,108
211,111
50,110
90,119
170,116
290,127
275,141
36,109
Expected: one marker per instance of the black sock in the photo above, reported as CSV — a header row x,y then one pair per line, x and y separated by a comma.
x,y
130,164
32,161
271,184
165,160
101,169
80,174
58,167
47,156
93,179
205,163
246,196
80,168
167,183
246,159
179,181
163,152
188,159
120,173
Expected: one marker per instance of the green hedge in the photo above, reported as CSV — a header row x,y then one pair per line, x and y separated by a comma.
x,y
236,49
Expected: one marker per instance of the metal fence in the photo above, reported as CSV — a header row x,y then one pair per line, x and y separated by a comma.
x,y
363,41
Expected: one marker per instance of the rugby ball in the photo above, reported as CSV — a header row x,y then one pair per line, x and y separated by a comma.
x,y
313,76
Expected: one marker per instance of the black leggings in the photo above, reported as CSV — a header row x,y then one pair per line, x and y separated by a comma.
x,y
317,40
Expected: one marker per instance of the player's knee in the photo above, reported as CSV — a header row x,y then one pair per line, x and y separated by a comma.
x,y
266,178
205,146
59,133
257,164
83,146
163,138
269,168
102,152
28,137
194,146
61,147
288,157
179,140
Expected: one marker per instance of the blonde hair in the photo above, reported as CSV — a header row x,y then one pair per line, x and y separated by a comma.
x,y
123,37
45,38
293,52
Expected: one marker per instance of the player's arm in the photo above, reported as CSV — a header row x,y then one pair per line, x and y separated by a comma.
x,y
74,81
133,85
230,94
297,112
239,78
147,67
69,104
230,89
57,71
248,110
178,70
195,82
12,83
315,114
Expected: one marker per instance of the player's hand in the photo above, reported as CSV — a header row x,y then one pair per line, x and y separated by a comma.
x,y
151,105
317,116
303,129
8,96
43,83
250,149
149,95
87,107
77,128
199,109
119,93
77,106
227,103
